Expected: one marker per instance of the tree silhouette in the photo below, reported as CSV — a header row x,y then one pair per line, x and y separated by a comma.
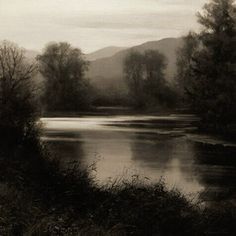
x,y
212,87
17,97
65,87
145,77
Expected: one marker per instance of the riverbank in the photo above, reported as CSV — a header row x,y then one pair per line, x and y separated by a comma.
x,y
40,198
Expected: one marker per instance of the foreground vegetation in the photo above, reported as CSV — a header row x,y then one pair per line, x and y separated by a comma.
x,y
39,197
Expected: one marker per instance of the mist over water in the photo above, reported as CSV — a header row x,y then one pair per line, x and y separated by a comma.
x,y
154,147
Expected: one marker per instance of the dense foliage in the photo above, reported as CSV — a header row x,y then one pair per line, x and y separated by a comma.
x,y
207,62
65,86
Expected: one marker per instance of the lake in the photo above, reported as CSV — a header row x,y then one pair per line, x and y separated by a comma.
x,y
153,147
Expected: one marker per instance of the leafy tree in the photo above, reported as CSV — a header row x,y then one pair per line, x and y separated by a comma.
x,y
134,74
145,77
18,111
212,87
65,86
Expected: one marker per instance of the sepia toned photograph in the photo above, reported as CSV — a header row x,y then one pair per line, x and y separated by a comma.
x,y
117,117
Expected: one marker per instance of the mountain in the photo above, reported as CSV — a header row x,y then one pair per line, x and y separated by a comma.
x,y
109,71
104,52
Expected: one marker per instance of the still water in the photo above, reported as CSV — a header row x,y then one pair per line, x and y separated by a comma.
x,y
154,147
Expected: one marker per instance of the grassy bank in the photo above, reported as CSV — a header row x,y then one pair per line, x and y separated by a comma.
x,y
38,197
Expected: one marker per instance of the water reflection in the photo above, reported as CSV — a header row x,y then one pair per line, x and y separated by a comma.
x,y
166,157
215,166
67,147
153,147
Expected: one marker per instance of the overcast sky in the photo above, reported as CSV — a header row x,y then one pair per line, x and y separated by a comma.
x,y
93,24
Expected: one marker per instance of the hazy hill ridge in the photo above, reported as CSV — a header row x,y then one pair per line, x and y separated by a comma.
x,y
110,69
104,52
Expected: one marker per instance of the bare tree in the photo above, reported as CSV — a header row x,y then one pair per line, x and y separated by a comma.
x,y
17,100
